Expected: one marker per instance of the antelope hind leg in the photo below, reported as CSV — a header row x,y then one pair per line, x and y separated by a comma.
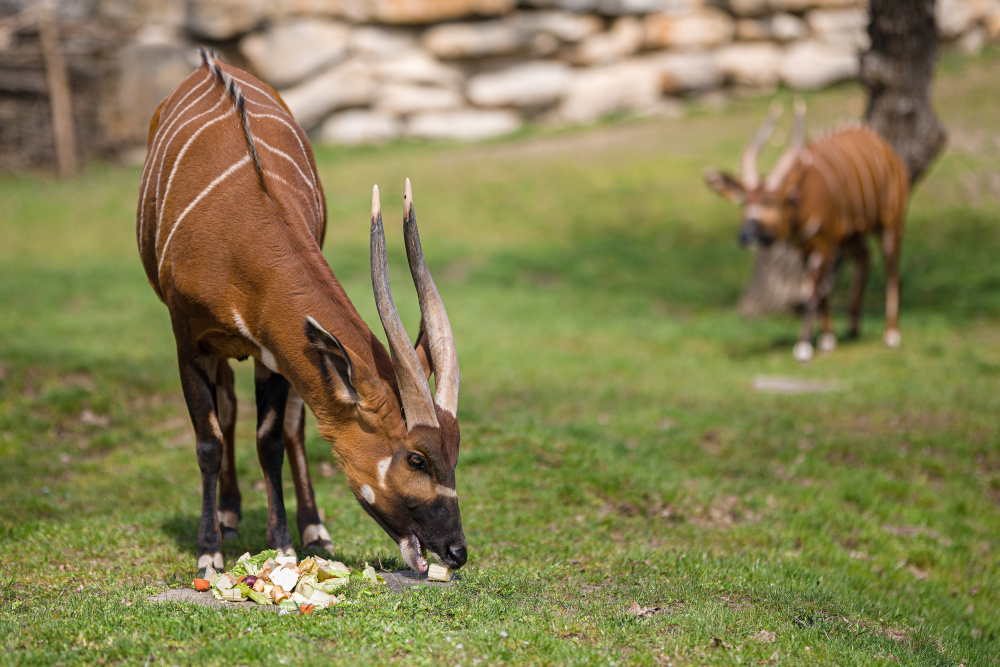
x,y
857,250
827,339
229,508
890,252
272,392
197,380
311,529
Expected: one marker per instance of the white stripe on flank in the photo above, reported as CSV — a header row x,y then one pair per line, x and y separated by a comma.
x,y
292,129
160,154
159,141
278,151
383,468
226,174
259,90
161,201
274,175
159,176
266,357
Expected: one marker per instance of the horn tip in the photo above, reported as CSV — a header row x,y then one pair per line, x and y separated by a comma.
x,y
376,203
408,192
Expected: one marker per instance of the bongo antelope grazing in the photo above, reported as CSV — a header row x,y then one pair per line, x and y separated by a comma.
x,y
824,197
230,221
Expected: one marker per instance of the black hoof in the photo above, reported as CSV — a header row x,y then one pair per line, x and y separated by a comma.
x,y
229,534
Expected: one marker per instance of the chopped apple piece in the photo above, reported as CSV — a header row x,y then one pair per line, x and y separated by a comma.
x,y
436,572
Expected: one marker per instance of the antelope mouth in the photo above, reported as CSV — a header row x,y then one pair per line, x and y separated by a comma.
x,y
412,552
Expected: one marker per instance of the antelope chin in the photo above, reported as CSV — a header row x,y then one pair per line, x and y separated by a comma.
x,y
412,552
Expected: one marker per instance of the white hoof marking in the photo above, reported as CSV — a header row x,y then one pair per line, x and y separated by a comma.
x,y
215,560
892,338
803,351
313,532
228,519
827,342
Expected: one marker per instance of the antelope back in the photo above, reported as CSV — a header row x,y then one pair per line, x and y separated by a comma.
x,y
223,142
856,178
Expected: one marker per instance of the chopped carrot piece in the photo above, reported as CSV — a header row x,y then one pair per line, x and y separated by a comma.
x,y
201,584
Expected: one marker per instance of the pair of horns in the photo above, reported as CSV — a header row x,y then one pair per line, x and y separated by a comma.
x,y
748,167
414,390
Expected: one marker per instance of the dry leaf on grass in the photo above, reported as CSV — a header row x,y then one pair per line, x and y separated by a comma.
x,y
642,612
765,637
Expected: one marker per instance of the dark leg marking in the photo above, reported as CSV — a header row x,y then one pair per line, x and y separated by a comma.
x,y
311,529
272,394
229,491
197,374
857,250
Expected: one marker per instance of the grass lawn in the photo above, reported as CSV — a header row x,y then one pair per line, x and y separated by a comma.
x,y
628,497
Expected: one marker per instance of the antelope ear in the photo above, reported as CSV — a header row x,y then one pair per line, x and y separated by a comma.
x,y
423,348
335,362
725,185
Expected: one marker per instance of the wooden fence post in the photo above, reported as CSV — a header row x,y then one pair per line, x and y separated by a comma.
x,y
59,92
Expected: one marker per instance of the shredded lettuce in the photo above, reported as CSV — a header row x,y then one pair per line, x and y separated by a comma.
x,y
316,585
248,564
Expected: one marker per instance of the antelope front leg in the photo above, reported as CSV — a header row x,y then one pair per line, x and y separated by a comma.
x,y
311,529
197,375
818,266
229,511
272,393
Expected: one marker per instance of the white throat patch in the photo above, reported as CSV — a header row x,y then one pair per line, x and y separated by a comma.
x,y
383,468
368,494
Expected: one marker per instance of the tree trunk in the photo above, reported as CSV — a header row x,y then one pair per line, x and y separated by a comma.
x,y
777,283
897,71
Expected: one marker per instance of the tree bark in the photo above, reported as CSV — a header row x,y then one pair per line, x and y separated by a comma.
x,y
898,71
777,282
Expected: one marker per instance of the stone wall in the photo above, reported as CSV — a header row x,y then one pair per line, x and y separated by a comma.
x,y
356,71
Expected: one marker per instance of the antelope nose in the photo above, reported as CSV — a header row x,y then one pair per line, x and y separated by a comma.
x,y
748,234
456,556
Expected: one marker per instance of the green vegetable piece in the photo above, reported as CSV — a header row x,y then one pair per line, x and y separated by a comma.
x,y
332,584
259,598
289,605
369,574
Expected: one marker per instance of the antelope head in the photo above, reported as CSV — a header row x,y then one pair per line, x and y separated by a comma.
x,y
399,456
766,202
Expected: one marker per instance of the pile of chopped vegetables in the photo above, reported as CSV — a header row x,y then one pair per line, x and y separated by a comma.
x,y
271,578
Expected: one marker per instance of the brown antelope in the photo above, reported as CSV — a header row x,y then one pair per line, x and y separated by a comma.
x,y
230,222
825,197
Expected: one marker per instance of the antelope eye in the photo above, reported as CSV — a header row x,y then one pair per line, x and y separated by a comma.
x,y
416,461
